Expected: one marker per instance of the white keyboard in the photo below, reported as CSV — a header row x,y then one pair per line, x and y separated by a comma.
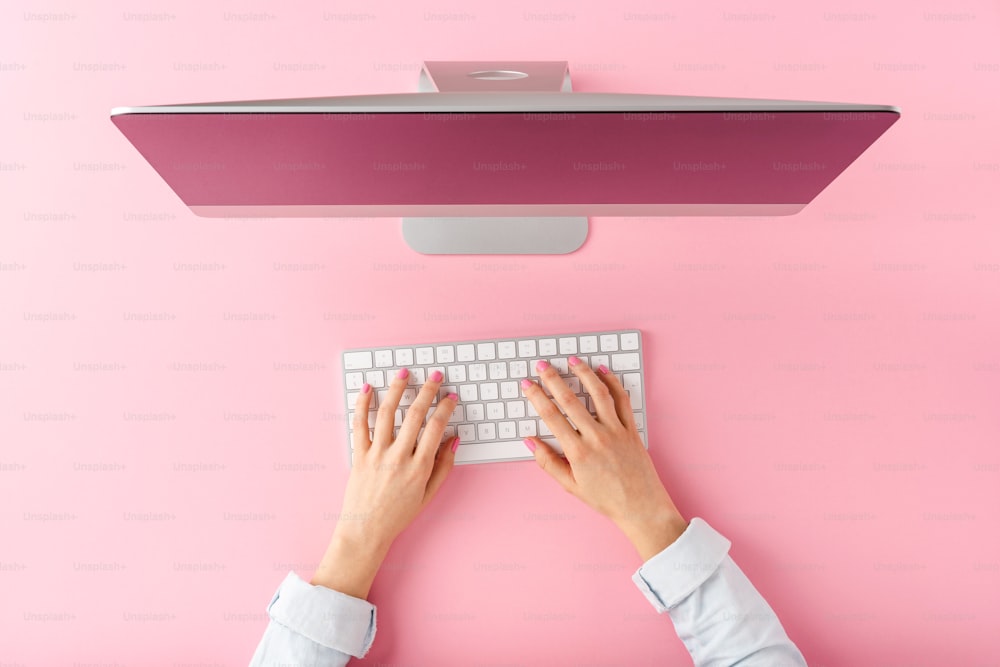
x,y
492,416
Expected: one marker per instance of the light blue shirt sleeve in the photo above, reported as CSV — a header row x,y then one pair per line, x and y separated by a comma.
x,y
314,626
718,614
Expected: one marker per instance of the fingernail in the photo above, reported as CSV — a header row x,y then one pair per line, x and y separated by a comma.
x,y
530,444
365,388
402,373
436,376
541,365
602,369
454,445
573,361
526,383
453,396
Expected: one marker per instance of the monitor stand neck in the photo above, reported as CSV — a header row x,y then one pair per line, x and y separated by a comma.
x,y
536,235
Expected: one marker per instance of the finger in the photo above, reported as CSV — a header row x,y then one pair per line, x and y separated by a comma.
x,y
556,466
604,403
430,441
414,419
565,397
386,417
555,420
442,466
360,436
623,405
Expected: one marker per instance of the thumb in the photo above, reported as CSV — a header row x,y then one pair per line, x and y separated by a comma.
x,y
547,459
443,464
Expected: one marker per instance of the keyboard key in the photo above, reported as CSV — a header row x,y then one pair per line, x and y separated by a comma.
x,y
446,354
567,346
543,428
526,348
477,372
425,355
532,412
456,373
509,390
609,343
355,380
469,392
494,411
486,351
487,431
588,344
515,409
489,391
507,430
375,378
547,347
630,341
475,412
467,433
573,383
560,364
628,361
633,385
449,431
598,360
383,358
417,376
526,428
409,395
458,415
466,352
498,370
640,421
519,369
357,360
506,349
404,357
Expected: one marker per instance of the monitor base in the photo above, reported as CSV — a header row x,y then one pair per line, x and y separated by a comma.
x,y
495,235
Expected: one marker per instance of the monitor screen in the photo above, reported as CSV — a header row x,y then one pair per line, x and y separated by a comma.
x,y
650,162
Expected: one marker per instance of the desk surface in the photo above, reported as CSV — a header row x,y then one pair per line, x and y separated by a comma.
x,y
821,388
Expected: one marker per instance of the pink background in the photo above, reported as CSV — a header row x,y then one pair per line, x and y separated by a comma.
x,y
823,388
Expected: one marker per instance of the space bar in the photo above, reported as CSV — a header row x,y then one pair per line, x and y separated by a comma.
x,y
500,450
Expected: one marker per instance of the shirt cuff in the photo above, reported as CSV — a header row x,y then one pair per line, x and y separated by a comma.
x,y
677,571
328,617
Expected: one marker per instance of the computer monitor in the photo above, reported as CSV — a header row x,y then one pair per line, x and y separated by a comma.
x,y
501,171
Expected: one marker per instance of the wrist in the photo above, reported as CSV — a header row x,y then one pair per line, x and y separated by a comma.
x,y
652,533
350,565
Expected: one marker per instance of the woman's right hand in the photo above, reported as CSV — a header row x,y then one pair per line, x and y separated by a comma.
x,y
606,464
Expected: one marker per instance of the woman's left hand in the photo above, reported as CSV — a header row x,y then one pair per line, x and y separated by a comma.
x,y
391,480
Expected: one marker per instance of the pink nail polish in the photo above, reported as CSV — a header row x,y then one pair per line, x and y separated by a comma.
x,y
573,361
454,444
365,388
526,383
402,373
603,369
436,376
530,444
541,365
453,396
